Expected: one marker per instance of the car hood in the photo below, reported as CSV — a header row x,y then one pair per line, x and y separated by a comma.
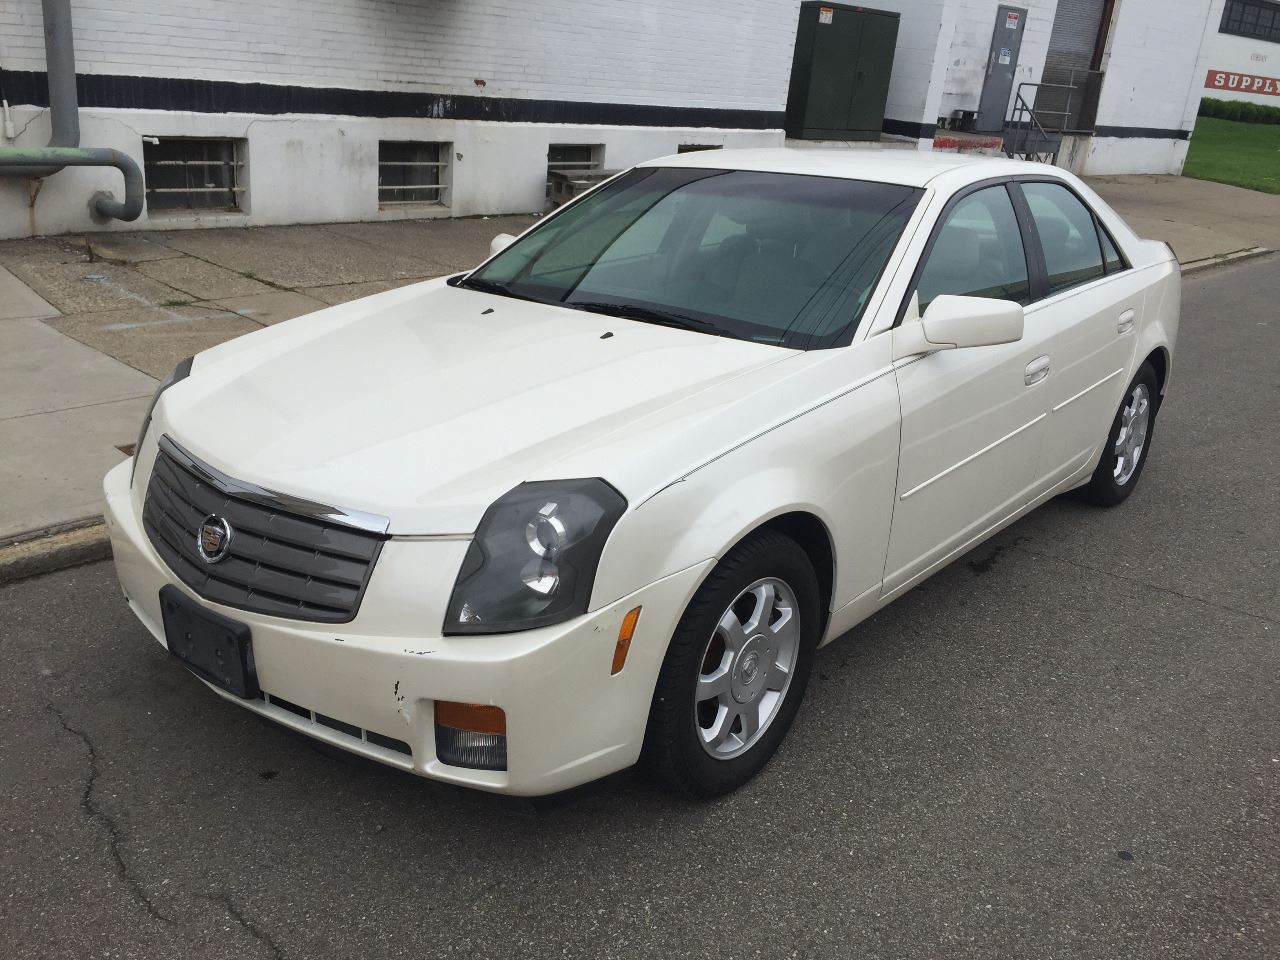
x,y
425,404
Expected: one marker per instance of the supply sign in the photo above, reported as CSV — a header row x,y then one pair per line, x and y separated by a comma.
x,y
1242,83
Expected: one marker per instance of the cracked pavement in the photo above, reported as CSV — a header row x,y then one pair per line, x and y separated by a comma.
x,y
1066,744
150,298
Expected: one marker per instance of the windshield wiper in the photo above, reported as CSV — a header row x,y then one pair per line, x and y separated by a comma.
x,y
485,286
631,311
481,285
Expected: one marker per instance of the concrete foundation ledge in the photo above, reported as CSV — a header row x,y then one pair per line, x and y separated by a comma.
x,y
45,551
1223,258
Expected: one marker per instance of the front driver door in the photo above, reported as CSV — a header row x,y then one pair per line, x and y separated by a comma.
x,y
973,419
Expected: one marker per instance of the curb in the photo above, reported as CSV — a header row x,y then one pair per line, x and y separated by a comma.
x,y
1224,258
46,551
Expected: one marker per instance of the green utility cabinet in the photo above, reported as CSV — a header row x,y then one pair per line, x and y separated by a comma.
x,y
840,73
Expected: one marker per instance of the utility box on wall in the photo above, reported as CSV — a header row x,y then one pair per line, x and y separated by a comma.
x,y
840,73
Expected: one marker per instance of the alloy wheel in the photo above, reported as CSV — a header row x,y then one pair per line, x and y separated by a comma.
x,y
747,668
1135,419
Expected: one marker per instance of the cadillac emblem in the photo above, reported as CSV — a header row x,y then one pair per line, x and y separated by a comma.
x,y
213,539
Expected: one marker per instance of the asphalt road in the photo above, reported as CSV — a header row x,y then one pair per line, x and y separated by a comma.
x,y
1067,744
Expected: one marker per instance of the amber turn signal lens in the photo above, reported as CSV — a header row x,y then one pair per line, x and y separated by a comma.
x,y
477,717
624,640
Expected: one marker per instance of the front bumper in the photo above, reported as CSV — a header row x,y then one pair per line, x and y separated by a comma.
x,y
568,720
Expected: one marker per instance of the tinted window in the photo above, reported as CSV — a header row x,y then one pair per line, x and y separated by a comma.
x,y
1067,235
978,252
770,257
1114,260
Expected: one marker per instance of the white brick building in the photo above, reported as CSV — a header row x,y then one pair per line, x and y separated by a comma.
x,y
306,96
1240,59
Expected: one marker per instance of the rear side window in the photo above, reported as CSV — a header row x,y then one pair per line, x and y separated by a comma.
x,y
978,252
1115,262
1068,236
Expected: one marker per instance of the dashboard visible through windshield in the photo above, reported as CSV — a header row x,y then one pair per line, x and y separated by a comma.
x,y
772,258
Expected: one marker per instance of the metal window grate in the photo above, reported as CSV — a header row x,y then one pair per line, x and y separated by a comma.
x,y
573,158
193,173
411,171
697,147
1257,19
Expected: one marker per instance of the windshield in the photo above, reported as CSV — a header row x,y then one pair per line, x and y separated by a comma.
x,y
768,257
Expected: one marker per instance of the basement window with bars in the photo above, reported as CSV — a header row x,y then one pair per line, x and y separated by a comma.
x,y
573,158
193,173
413,172
697,147
1257,19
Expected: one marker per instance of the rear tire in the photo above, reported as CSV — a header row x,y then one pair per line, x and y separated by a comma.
x,y
1128,443
736,669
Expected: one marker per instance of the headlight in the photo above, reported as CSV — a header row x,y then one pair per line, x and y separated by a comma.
x,y
534,557
180,372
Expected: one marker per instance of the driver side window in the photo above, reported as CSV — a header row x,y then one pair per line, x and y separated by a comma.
x,y
978,252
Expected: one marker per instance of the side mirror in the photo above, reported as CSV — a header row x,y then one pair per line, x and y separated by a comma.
x,y
954,322
500,243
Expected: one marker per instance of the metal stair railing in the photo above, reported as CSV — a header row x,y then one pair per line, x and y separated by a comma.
x,y
1027,136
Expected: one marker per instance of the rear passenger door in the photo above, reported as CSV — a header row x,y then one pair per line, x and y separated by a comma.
x,y
1090,303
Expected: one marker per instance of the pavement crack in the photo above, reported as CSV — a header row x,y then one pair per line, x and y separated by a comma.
x,y
264,938
1111,574
78,406
94,811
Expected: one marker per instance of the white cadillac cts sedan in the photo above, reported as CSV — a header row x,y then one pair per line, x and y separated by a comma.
x,y
599,500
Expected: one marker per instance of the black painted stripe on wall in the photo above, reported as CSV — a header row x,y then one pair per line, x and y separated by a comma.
x,y
1149,133
223,96
905,128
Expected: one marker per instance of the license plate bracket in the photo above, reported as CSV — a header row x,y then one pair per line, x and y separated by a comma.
x,y
213,647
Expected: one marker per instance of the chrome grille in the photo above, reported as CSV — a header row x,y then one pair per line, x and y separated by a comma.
x,y
301,564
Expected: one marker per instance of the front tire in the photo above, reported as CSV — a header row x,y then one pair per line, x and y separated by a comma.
x,y
1128,443
736,669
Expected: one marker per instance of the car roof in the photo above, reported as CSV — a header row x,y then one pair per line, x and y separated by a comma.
x,y
913,168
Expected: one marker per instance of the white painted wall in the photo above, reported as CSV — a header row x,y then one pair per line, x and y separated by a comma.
x,y
1150,64
696,53
317,169
919,65
1226,51
686,53
690,53
1103,156
1151,82
971,44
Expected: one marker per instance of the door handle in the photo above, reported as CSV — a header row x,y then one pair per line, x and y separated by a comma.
x,y
1037,370
1125,323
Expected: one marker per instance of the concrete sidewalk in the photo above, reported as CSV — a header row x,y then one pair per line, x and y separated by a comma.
x,y
1204,222
87,324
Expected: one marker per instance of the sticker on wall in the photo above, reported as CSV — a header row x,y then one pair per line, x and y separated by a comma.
x,y
1006,56
1011,21
826,14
